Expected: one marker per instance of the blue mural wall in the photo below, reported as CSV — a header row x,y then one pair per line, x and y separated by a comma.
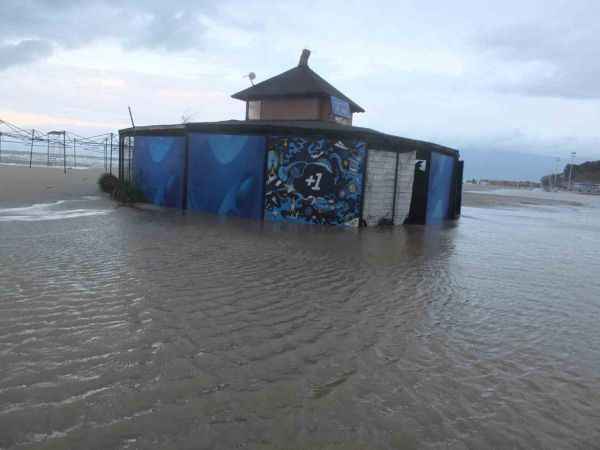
x,y
314,180
225,174
158,168
440,185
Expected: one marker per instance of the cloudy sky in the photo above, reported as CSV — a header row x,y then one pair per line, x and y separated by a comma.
x,y
513,75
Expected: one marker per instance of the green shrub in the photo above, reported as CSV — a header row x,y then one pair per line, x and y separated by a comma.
x,y
108,183
126,192
122,191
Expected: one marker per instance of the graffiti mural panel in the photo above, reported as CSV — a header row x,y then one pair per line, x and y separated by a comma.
x,y
440,184
314,180
226,174
158,169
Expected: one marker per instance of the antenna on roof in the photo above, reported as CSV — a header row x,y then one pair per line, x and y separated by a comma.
x,y
251,76
131,116
304,58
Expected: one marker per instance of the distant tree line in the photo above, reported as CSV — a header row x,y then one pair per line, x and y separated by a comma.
x,y
588,172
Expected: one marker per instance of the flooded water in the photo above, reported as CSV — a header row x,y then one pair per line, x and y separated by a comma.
x,y
122,328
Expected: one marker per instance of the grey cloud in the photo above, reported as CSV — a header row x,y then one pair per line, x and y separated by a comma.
x,y
23,52
135,24
171,31
556,59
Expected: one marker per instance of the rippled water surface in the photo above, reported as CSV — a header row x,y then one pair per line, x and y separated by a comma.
x,y
122,328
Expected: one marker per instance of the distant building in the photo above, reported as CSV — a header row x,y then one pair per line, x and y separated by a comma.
x,y
296,158
586,187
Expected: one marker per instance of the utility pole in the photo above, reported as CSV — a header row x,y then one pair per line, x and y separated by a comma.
x,y
573,154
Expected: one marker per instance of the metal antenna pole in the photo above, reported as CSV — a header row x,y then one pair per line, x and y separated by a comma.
x,y
131,116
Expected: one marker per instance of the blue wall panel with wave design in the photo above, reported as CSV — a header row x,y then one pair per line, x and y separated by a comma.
x,y
225,174
158,163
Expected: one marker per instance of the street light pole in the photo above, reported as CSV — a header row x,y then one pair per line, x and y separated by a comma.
x,y
571,170
555,175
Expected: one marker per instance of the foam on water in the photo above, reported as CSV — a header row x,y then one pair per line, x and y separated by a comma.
x,y
48,211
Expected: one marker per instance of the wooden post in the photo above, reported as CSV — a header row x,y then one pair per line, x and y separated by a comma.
x,y
105,155
0,146
31,150
48,152
74,155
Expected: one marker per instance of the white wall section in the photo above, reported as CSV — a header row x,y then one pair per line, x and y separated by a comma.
x,y
406,176
380,187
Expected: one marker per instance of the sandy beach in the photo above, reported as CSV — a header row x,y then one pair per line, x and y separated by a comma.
x,y
21,185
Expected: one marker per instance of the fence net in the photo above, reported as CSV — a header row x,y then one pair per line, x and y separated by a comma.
x,y
59,148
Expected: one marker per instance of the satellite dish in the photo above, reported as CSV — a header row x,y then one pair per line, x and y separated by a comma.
x,y
251,76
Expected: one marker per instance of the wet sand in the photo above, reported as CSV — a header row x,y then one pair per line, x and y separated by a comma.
x,y
21,185
482,197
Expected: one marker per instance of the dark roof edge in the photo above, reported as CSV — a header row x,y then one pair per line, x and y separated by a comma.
x,y
326,88
376,139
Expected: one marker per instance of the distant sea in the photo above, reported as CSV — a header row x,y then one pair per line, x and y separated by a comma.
x,y
503,165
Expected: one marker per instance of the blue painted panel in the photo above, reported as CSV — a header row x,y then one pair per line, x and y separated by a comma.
x,y
440,185
314,180
226,174
158,168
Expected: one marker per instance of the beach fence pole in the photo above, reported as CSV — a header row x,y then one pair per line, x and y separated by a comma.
x,y
111,153
31,150
65,152
74,155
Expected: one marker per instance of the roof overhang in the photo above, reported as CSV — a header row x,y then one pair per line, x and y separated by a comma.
x,y
374,139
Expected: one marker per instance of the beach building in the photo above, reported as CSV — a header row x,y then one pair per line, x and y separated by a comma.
x,y
296,158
